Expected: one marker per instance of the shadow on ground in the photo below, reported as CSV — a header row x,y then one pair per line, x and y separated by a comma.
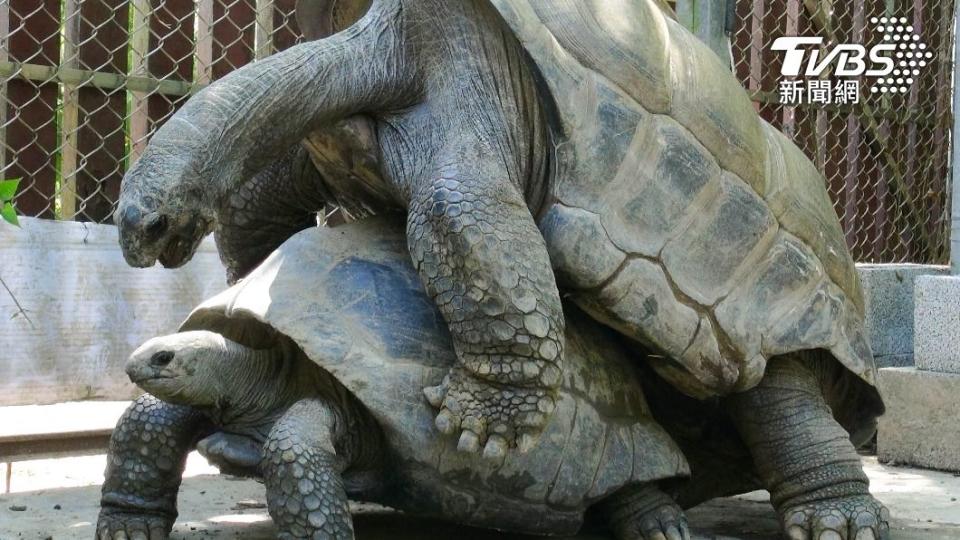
x,y
924,505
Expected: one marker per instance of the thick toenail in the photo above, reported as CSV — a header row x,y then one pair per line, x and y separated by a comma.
x,y
797,533
830,535
866,534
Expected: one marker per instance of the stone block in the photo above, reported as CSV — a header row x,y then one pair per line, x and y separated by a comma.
x,y
888,291
920,426
937,324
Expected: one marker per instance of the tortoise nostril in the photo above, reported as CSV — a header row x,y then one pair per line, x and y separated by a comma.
x,y
161,358
156,225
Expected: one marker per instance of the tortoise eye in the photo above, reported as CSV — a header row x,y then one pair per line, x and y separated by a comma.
x,y
156,225
161,358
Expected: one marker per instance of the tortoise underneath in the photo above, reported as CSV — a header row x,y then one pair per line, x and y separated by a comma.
x,y
319,394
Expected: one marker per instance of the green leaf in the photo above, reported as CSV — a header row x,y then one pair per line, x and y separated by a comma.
x,y
8,188
9,214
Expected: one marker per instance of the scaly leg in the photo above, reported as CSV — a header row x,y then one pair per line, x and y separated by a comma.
x,y
805,458
148,451
485,264
302,472
645,513
273,205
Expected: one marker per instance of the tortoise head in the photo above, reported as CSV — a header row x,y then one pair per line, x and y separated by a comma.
x,y
166,207
188,368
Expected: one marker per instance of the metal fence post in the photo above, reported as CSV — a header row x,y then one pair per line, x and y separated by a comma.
x,y
955,194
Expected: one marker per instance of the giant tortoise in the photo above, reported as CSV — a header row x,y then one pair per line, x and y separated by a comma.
x,y
597,140
316,361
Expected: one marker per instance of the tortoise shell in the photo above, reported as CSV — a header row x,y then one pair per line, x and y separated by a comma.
x,y
351,300
680,217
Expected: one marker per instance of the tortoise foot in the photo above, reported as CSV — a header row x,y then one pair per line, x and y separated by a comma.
x,y
859,517
647,513
115,524
490,417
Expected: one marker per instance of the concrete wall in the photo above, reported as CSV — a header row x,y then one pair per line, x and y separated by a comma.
x,y
888,291
85,309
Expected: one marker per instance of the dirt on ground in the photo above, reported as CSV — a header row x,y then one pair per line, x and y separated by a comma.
x,y
924,505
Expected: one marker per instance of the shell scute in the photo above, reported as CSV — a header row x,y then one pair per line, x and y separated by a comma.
x,y
709,102
623,40
639,302
581,459
706,259
785,276
797,196
667,177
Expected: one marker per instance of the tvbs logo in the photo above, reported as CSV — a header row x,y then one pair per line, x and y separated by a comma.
x,y
893,65
849,60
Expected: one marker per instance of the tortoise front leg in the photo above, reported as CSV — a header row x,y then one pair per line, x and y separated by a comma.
x,y
302,473
145,462
485,264
644,512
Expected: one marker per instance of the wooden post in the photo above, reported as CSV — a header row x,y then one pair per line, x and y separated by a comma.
x,y
139,53
4,57
955,198
263,31
707,19
203,30
69,126
793,24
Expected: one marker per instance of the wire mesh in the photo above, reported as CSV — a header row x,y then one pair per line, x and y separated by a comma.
x,y
86,82
886,157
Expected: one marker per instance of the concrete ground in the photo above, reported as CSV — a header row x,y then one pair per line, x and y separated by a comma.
x,y
924,505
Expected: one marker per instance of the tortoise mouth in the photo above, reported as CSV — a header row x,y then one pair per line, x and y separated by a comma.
x,y
180,248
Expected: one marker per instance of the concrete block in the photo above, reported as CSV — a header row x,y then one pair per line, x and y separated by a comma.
x,y
920,426
888,291
937,324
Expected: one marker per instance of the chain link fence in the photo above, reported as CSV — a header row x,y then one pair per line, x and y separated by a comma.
x,y
85,83
886,157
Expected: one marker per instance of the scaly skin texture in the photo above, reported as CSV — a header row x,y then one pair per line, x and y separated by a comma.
x,y
263,212
645,513
302,472
804,457
463,142
148,451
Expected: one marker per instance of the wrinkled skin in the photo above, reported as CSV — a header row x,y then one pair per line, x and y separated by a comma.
x,y
463,145
271,414
462,141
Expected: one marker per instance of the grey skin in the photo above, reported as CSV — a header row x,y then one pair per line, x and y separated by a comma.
x,y
673,214
273,414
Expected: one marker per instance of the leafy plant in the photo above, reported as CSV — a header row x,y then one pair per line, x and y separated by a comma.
x,y
8,189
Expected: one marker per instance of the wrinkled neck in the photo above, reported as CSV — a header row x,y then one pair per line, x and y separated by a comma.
x,y
244,120
252,383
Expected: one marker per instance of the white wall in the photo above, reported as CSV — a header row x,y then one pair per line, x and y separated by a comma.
x,y
88,309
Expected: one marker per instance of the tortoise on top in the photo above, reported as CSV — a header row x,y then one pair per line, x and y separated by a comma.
x,y
597,135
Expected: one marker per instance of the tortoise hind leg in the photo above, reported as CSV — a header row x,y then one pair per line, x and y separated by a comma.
x,y
644,512
145,461
302,473
805,458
